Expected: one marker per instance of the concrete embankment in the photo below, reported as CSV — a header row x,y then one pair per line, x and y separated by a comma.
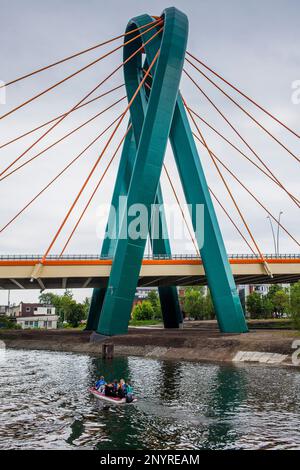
x,y
194,344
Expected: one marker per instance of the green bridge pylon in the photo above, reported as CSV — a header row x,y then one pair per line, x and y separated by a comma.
x,y
157,117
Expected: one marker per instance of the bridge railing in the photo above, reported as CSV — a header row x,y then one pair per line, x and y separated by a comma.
x,y
79,257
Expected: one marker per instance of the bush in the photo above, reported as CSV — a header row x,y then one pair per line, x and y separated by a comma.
x,y
295,304
8,324
143,311
155,302
255,305
76,314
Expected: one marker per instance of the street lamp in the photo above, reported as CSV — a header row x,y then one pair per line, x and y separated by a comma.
x,y
278,230
273,233
276,239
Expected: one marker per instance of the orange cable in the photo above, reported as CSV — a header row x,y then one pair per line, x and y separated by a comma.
x,y
58,176
94,192
78,54
82,100
182,212
226,185
57,117
72,75
239,150
241,137
244,111
251,194
99,158
62,138
231,220
244,95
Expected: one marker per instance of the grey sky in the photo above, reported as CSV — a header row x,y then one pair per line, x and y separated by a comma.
x,y
254,44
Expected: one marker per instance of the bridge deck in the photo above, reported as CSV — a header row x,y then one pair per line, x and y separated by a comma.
x,y
27,272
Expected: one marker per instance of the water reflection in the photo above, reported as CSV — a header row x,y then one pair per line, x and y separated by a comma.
x,y
44,403
229,391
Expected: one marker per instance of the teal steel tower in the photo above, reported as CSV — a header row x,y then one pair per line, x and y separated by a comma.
x,y
155,117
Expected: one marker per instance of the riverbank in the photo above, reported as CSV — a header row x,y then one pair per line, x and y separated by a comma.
x,y
201,343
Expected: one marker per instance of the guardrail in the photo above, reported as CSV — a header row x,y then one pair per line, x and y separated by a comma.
x,y
146,257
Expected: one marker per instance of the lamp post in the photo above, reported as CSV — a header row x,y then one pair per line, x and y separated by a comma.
x,y
276,238
278,231
273,233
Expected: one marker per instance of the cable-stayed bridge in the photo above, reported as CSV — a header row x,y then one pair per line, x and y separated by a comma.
x,y
155,61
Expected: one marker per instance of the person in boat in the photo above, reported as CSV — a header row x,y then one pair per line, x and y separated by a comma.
x,y
109,390
129,392
129,388
122,391
116,386
100,384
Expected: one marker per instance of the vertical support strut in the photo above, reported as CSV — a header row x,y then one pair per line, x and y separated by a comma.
x,y
220,280
109,243
172,316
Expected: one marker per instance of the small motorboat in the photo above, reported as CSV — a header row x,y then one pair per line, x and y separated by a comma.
x,y
112,400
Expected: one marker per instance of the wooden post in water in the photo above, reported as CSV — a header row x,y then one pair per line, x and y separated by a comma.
x,y
107,351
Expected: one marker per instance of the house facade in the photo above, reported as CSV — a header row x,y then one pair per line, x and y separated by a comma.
x,y
34,316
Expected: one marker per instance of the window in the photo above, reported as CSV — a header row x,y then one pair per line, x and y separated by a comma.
x,y
49,311
50,324
26,323
45,324
36,324
28,309
31,323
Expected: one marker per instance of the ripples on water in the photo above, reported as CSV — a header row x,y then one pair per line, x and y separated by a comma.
x,y
44,404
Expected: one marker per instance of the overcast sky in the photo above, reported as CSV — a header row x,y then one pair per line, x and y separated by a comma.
x,y
253,44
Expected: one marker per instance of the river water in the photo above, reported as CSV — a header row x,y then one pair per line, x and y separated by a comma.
x,y
45,404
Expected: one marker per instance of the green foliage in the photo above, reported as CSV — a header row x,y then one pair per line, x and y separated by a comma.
x,y
194,303
255,305
7,323
143,311
279,299
274,304
198,304
86,303
67,308
280,302
76,314
155,302
295,304
209,310
267,307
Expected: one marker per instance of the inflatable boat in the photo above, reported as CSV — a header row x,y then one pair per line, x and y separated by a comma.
x,y
112,400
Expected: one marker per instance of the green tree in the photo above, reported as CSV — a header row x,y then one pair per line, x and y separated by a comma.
x,y
280,302
194,303
86,303
267,307
209,310
8,324
255,305
67,308
143,311
76,313
49,298
155,302
295,304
